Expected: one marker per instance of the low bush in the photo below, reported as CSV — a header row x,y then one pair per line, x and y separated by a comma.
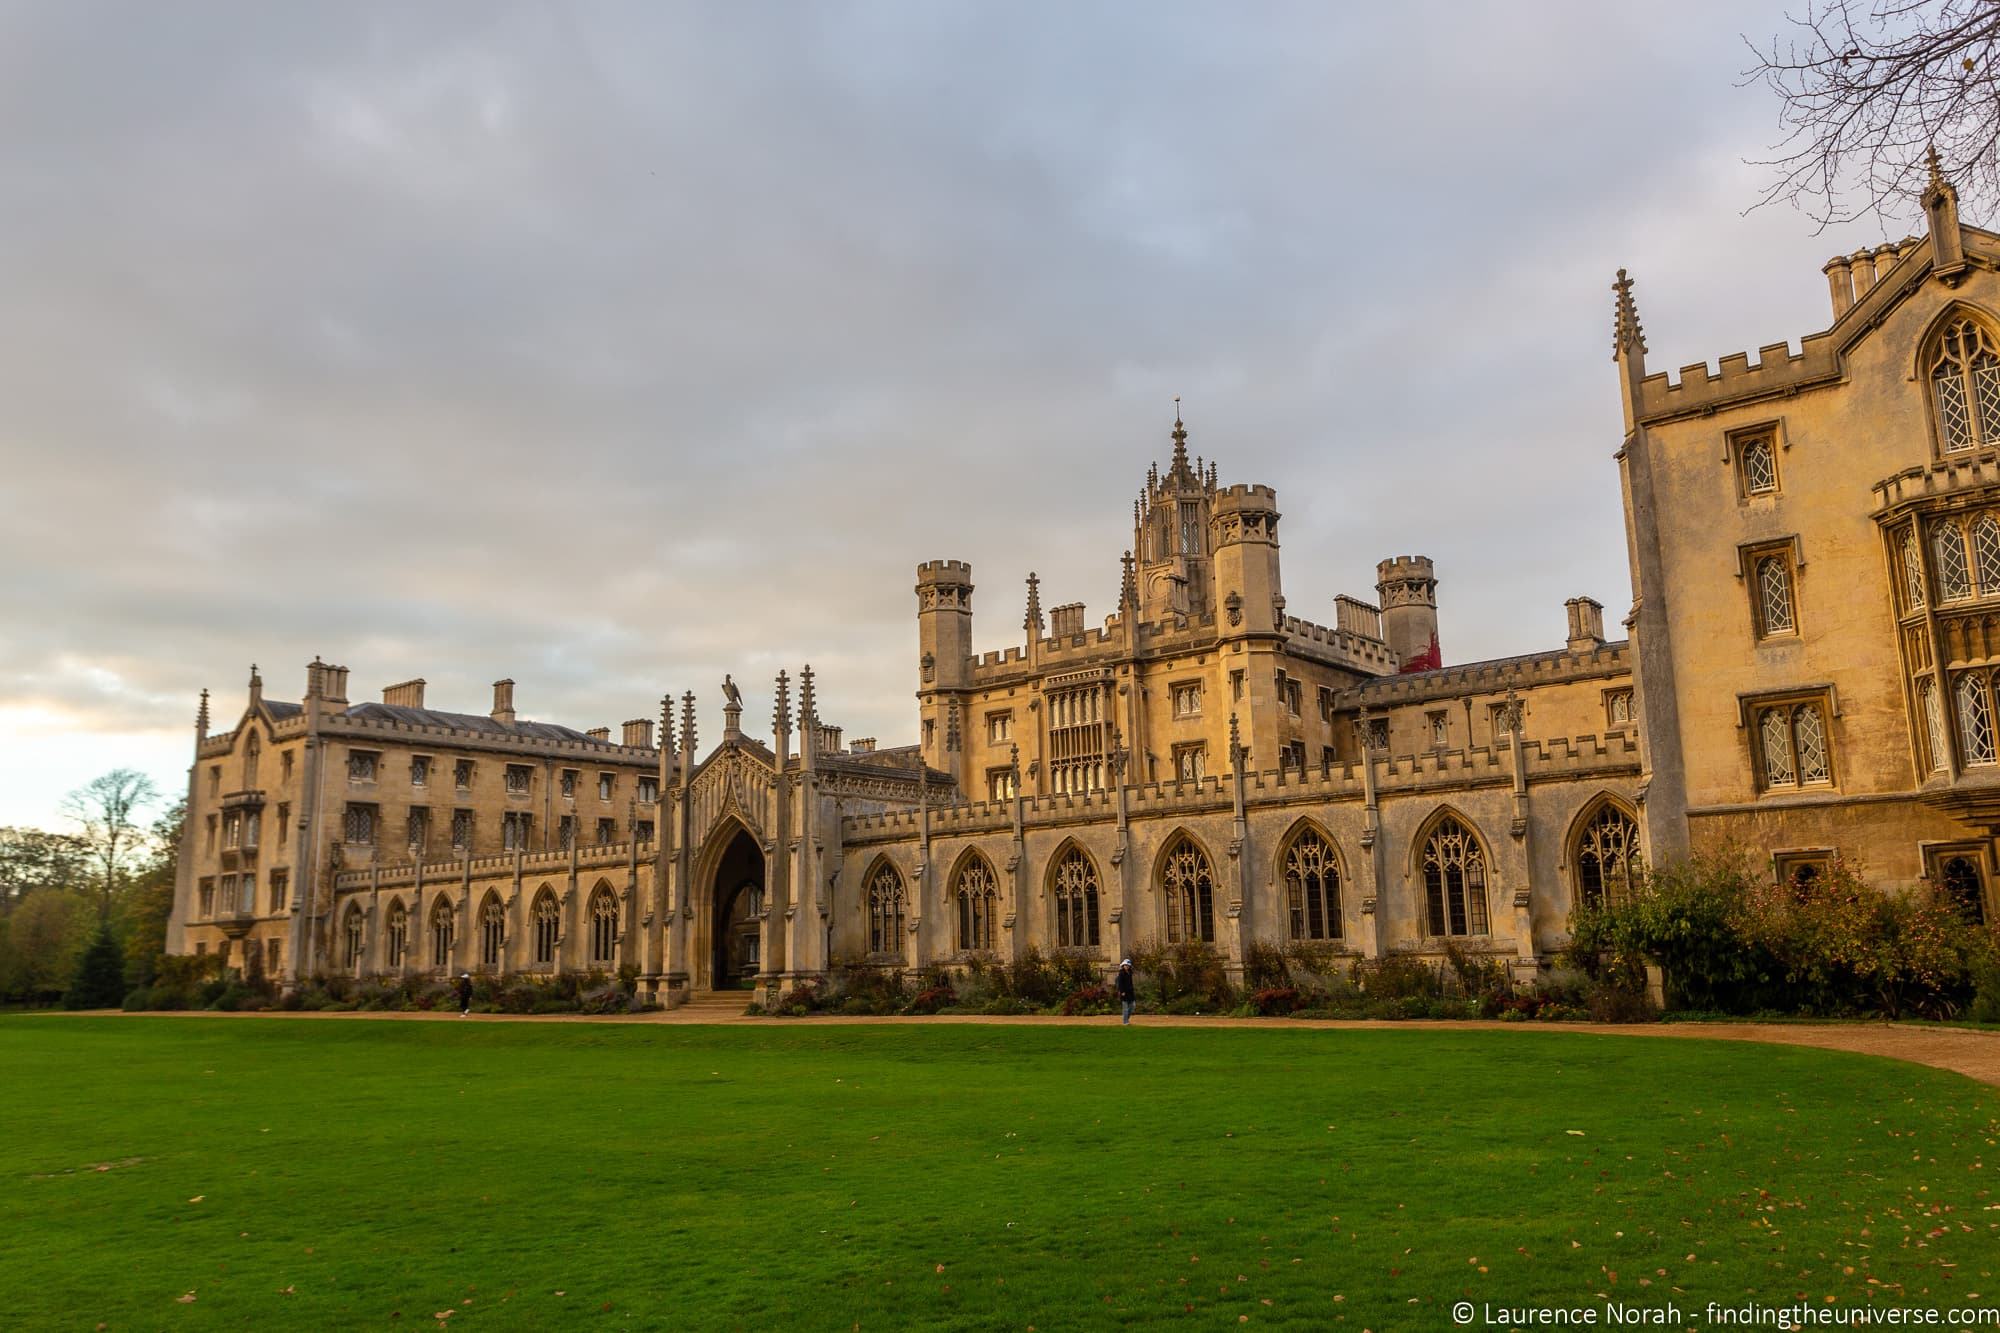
x,y
1273,1001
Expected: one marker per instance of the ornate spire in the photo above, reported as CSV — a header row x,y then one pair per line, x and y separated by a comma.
x,y
808,701
1627,336
201,715
1180,464
1128,585
666,724
1937,181
1033,620
781,709
687,723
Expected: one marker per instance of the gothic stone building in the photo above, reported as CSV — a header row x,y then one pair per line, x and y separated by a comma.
x,y
1810,674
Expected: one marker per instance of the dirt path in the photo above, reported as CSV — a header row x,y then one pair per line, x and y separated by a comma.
x,y
1973,1053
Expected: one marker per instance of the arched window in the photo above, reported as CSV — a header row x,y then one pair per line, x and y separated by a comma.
x,y
886,913
1312,887
603,926
351,933
1774,594
443,923
1607,856
548,925
1454,880
1188,883
1913,571
1075,892
1760,466
1954,581
396,934
1964,888
492,931
978,898
1975,719
1965,383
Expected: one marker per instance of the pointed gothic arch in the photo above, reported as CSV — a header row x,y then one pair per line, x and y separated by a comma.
x,y
353,936
1603,851
885,893
974,894
1075,888
443,930
1185,878
603,925
1309,867
546,919
492,930
396,934
1958,363
1449,857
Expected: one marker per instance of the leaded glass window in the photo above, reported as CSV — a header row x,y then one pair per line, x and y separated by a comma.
x,y
492,932
1778,768
1454,867
548,927
1934,732
1975,719
1312,888
1188,883
1793,739
1954,581
1076,901
1774,594
1760,466
886,909
396,934
1607,856
978,899
351,931
603,926
1986,554
1965,380
443,927
1913,571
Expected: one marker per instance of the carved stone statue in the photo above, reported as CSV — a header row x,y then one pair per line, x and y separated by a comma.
x,y
731,693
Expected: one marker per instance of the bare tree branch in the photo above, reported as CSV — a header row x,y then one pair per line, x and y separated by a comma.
x,y
1866,90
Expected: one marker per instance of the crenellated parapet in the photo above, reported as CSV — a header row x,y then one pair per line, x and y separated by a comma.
x,y
541,865
1557,666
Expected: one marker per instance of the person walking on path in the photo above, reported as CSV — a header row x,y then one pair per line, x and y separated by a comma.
x,y
464,994
1128,992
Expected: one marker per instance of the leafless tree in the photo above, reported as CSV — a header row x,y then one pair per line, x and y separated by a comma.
x,y
1869,88
107,808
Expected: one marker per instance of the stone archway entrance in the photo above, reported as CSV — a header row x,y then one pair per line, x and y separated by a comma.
x,y
738,898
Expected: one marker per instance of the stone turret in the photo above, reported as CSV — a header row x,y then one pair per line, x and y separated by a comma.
x,y
1243,532
944,645
1407,589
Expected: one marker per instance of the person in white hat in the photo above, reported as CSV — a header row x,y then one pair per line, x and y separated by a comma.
x,y
1128,991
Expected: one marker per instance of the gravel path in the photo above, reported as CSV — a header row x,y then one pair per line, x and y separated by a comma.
x,y
1972,1052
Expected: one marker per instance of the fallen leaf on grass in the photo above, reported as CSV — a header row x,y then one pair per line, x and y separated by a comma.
x,y
185,1300
197,1198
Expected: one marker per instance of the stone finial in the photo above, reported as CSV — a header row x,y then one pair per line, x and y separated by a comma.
x,y
687,722
1235,741
1628,338
1014,764
1128,585
808,701
667,723
201,717
951,736
1033,620
1180,463
1940,201
1937,180
781,708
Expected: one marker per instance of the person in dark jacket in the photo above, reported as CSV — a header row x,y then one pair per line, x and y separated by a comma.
x,y
1128,990
464,994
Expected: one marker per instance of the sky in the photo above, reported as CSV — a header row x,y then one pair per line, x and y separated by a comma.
x,y
612,347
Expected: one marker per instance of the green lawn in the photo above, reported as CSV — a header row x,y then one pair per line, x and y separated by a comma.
x,y
775,1176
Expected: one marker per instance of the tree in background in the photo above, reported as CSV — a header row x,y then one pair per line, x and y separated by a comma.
x,y
108,808
99,982
43,938
1869,90
32,860
149,901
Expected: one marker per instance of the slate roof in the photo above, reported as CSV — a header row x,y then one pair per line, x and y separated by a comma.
x,y
478,723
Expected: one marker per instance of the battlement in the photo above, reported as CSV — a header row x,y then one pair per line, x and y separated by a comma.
x,y
1403,568
1366,652
1935,480
944,571
1245,496
540,865
1496,676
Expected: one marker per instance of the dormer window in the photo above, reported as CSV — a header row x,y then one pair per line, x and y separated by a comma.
x,y
1965,387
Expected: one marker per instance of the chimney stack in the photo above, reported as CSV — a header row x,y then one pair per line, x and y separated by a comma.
x,y
409,694
1586,624
1839,284
599,733
503,701
861,745
639,734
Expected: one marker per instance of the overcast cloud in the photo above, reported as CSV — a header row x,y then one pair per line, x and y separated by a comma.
x,y
612,347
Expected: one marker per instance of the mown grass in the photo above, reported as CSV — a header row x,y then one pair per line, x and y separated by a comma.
x,y
299,1173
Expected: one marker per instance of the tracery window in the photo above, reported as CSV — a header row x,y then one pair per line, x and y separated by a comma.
x,y
1607,855
351,934
548,925
1971,693
492,932
1618,708
1191,762
1078,739
1912,571
1948,565
1190,528
603,926
1774,595
1758,460
1312,888
978,900
886,911
1792,744
1965,383
1076,901
1187,882
396,934
1454,866
444,922
1934,729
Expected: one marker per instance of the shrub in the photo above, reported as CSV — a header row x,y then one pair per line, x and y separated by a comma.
x,y
99,980
1265,967
1275,1000
933,998
1193,971
1093,999
1398,976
